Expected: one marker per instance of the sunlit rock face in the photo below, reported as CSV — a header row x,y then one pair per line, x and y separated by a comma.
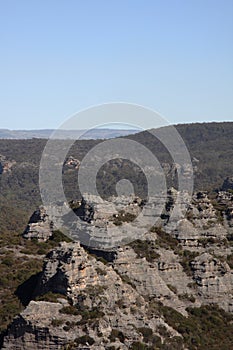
x,y
39,226
189,266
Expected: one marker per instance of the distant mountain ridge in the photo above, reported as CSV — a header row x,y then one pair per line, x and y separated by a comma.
x,y
66,134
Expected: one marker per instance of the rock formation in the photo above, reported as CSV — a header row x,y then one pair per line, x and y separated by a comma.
x,y
39,226
103,309
6,164
108,304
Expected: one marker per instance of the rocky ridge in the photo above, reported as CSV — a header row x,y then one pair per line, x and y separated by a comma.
x,y
108,304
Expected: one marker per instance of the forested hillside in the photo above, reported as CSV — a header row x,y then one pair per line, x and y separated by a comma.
x,y
211,149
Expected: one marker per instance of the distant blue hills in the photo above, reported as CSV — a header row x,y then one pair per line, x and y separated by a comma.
x,y
66,134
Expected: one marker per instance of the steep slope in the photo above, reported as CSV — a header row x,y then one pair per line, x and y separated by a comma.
x,y
153,293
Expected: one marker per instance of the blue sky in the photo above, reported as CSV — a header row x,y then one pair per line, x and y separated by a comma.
x,y
58,57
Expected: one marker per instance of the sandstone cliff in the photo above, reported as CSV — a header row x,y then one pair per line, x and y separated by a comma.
x,y
131,298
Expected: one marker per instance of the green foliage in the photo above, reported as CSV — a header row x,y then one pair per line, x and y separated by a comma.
x,y
207,327
164,239
172,288
59,236
101,272
91,314
211,143
147,333
230,260
70,310
84,340
116,334
211,240
99,258
69,325
57,322
126,279
138,346
145,249
13,272
187,296
51,297
187,257
88,315
123,217
95,290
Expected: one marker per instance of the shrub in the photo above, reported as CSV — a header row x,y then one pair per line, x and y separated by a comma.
x,y
59,236
207,327
138,346
145,249
57,322
187,296
123,217
147,333
50,296
125,278
164,239
101,272
84,340
69,310
230,260
187,258
116,334
172,288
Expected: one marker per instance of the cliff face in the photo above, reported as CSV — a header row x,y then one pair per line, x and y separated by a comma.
x,y
101,305
39,226
126,301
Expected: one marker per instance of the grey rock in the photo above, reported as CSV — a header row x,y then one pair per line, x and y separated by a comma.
x,y
122,289
39,226
90,285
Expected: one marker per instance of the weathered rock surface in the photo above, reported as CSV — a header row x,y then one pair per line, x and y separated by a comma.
x,y
39,226
214,280
33,330
103,302
189,267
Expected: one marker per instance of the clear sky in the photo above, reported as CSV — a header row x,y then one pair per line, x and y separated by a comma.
x,y
58,57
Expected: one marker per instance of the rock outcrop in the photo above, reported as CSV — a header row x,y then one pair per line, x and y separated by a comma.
x,y
103,309
6,164
214,279
71,163
105,304
39,226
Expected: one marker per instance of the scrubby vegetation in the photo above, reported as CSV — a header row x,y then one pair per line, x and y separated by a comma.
x,y
51,297
187,257
207,327
20,259
88,314
14,271
164,239
116,334
145,249
211,144
123,217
